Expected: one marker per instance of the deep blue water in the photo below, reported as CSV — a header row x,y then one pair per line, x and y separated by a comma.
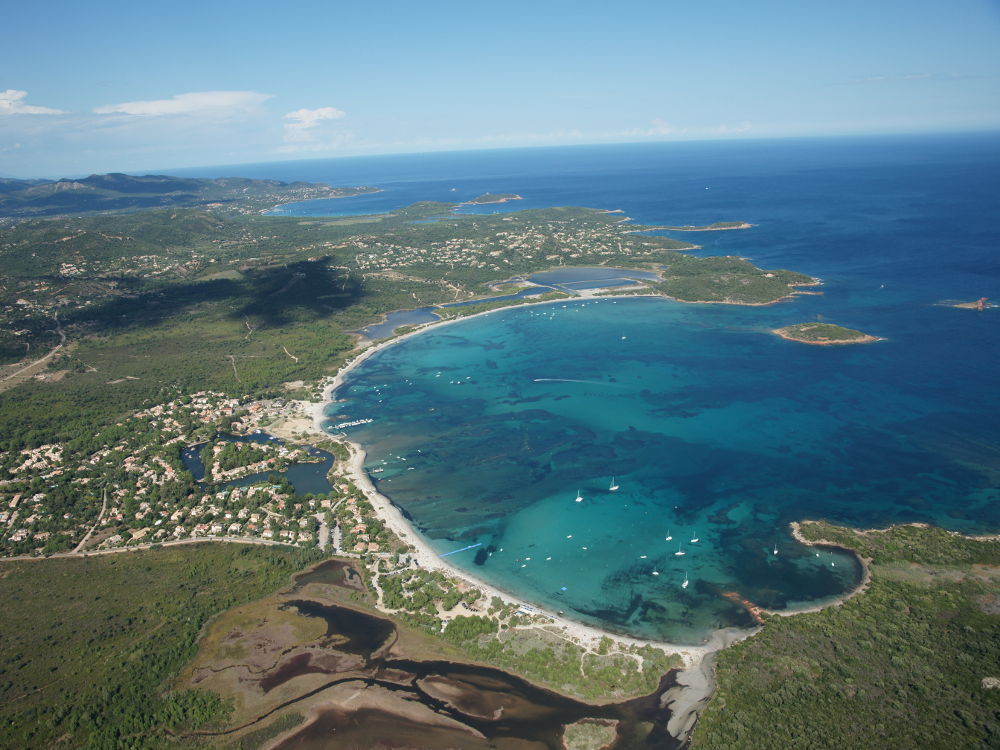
x,y
712,427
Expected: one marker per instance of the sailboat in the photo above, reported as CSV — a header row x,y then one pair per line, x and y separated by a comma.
x,y
694,537
614,486
679,551
685,584
579,497
776,549
669,537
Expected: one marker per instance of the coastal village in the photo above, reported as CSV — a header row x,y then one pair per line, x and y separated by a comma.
x,y
128,486
549,241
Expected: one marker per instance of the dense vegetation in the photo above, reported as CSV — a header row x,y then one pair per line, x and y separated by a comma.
x,y
726,279
89,644
234,455
906,664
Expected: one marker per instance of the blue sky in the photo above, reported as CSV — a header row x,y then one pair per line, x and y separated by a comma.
x,y
128,86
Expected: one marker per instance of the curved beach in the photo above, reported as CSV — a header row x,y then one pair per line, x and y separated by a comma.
x,y
585,635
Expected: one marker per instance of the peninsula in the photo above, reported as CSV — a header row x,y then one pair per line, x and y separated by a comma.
x,y
487,198
718,226
980,304
855,675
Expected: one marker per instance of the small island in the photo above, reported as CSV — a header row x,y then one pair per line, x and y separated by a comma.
x,y
823,334
980,304
487,198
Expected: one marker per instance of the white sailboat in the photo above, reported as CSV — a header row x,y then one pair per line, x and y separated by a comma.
x,y
685,584
776,549
694,537
614,486
579,497
669,537
680,552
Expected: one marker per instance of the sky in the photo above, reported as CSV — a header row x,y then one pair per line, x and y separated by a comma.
x,y
103,86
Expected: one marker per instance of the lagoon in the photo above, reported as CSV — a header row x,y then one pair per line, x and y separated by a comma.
x,y
306,477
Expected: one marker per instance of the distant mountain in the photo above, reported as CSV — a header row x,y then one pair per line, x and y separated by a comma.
x,y
121,192
10,184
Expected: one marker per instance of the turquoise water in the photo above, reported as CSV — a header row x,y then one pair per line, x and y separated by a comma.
x,y
710,425
485,430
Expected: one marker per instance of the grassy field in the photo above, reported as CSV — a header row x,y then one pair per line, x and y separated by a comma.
x,y
904,665
90,644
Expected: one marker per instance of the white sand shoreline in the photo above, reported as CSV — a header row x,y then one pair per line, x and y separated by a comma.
x,y
586,635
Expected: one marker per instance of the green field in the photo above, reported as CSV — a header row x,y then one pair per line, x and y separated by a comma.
x,y
90,645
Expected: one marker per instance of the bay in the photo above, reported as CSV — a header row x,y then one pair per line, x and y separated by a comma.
x,y
712,427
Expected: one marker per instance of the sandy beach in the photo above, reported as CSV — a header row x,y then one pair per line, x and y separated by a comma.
x,y
585,635
428,559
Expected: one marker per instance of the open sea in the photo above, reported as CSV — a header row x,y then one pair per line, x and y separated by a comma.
x,y
487,431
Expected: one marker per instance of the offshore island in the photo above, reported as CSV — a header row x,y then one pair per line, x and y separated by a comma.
x,y
175,605
823,334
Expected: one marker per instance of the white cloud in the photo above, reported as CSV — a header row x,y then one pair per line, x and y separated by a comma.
x,y
663,129
305,120
656,127
741,127
11,104
520,137
194,103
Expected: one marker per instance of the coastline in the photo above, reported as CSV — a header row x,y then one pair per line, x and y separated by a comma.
x,y
863,584
514,197
741,225
585,635
265,211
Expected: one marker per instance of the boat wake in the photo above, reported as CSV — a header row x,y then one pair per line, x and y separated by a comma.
x,y
571,380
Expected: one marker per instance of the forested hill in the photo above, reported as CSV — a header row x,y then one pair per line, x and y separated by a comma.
x,y
122,192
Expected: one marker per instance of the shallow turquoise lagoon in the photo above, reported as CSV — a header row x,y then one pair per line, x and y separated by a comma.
x,y
713,429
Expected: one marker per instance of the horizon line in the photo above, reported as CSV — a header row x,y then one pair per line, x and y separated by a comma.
x,y
475,149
